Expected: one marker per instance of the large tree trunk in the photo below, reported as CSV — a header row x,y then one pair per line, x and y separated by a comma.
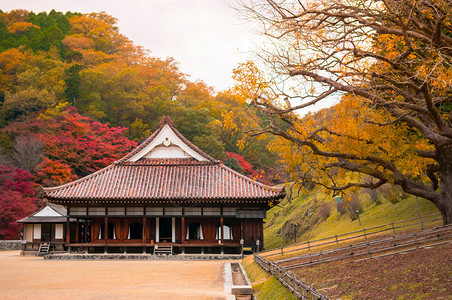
x,y
445,202
447,212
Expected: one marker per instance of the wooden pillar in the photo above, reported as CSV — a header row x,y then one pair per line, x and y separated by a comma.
x,y
241,229
222,230
222,234
92,230
106,229
85,239
173,230
68,228
183,233
77,231
144,230
121,230
157,230
261,234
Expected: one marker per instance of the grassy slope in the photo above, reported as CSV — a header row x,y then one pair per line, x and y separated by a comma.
x,y
264,286
304,211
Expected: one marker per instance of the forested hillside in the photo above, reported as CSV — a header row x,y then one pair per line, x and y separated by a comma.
x,y
76,94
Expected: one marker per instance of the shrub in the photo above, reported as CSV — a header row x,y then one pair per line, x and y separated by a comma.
x,y
324,210
354,206
341,207
373,195
393,193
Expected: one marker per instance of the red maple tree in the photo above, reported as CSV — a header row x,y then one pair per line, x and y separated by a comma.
x,y
17,199
74,145
248,169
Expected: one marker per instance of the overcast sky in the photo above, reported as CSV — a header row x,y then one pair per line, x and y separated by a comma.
x,y
205,36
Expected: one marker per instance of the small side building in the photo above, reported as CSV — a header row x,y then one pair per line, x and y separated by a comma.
x,y
46,226
165,196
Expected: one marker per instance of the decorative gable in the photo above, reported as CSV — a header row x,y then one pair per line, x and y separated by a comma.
x,y
167,145
47,212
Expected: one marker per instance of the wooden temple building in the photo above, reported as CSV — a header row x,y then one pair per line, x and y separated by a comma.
x,y
44,230
165,196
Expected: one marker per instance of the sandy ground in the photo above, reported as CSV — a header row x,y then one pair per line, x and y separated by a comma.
x,y
30,277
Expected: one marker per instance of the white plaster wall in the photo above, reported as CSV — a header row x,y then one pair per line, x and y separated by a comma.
x,y
28,232
37,231
59,231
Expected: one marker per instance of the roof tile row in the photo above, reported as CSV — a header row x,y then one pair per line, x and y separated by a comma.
x,y
164,180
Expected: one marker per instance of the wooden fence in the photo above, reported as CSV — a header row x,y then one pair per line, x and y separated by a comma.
x,y
365,233
299,288
393,245
367,250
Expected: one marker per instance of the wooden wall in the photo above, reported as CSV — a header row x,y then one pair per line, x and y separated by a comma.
x,y
253,230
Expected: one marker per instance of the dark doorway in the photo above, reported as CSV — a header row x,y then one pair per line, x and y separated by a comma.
x,y
46,232
111,231
85,232
195,232
165,227
135,231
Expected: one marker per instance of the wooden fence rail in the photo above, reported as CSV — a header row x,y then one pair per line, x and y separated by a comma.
x,y
336,239
436,236
300,289
281,268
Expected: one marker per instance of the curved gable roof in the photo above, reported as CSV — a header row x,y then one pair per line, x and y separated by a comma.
x,y
48,214
193,177
166,130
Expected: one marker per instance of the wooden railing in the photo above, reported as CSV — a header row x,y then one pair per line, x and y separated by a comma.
x,y
299,288
365,234
365,250
396,244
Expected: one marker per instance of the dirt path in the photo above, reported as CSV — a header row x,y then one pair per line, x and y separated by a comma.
x,y
35,278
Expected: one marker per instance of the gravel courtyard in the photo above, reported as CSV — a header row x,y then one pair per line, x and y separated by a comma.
x,y
30,277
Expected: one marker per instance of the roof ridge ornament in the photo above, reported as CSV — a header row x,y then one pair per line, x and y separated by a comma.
x,y
167,142
166,120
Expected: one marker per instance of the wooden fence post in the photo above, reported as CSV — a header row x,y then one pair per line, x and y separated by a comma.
x,y
415,240
303,281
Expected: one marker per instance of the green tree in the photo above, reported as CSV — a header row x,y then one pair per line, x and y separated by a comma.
x,y
73,83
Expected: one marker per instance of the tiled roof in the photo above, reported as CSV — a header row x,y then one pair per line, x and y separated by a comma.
x,y
163,179
47,219
151,179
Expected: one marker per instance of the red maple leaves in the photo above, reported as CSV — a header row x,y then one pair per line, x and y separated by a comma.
x,y
17,199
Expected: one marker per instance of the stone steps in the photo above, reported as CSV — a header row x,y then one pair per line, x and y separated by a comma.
x,y
163,250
